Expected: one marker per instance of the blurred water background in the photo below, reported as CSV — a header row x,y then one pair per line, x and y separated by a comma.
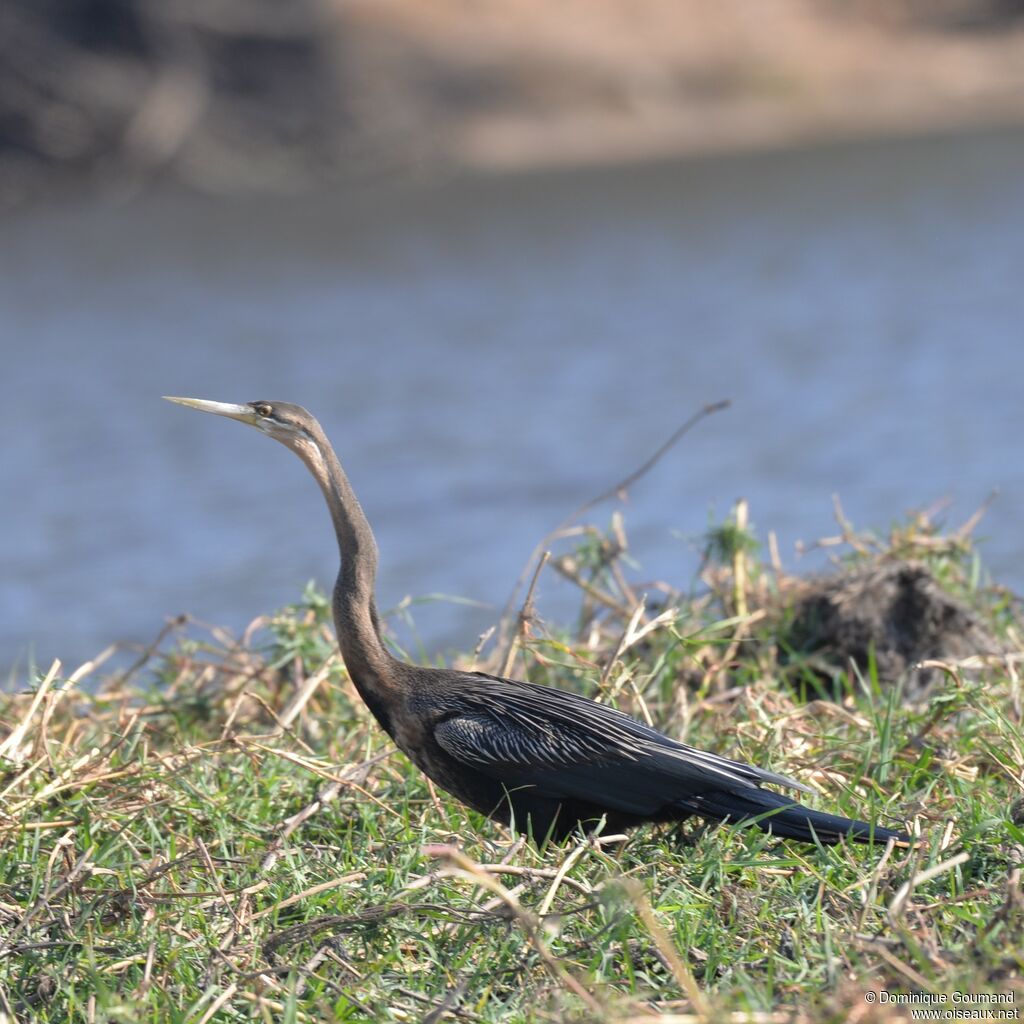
x,y
487,352
502,251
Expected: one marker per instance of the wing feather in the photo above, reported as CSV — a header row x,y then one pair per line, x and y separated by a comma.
x,y
569,747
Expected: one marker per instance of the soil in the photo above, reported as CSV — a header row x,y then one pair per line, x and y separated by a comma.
x,y
895,611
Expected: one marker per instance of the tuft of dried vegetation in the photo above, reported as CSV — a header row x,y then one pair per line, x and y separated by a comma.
x,y
222,833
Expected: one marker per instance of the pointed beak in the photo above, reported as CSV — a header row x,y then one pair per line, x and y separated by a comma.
x,y
245,413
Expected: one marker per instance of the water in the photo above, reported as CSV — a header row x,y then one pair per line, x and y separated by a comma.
x,y
487,355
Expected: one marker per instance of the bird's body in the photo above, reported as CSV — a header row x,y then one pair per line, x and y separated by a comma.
x,y
546,761
550,761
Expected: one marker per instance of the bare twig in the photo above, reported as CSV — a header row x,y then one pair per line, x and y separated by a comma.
x,y
327,794
10,746
563,869
683,975
739,559
305,692
367,917
526,614
905,890
352,876
211,870
963,532
217,1003
565,565
616,491
623,485
80,866
528,922
172,624
447,1005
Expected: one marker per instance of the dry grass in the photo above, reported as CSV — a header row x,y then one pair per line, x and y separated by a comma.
x,y
222,833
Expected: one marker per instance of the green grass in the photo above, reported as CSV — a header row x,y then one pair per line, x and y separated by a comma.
x,y
172,850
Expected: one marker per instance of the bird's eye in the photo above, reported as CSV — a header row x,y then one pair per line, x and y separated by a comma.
x,y
264,410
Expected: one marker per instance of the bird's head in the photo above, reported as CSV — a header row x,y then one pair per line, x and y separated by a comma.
x,y
290,424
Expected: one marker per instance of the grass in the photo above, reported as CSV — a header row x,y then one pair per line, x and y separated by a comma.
x,y
222,833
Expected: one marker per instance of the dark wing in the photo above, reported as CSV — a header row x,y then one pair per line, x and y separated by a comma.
x,y
569,748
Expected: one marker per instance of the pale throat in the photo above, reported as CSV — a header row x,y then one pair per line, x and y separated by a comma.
x,y
358,549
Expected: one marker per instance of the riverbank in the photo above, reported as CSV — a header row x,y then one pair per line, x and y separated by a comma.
x,y
222,832
239,97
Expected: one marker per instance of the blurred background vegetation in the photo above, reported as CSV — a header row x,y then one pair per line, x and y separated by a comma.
x,y
244,94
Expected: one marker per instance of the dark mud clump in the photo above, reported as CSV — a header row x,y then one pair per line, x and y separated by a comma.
x,y
895,611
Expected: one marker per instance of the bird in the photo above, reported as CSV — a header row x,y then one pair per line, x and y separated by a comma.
x,y
546,762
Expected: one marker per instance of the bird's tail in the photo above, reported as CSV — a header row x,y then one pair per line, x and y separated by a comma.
x,y
783,817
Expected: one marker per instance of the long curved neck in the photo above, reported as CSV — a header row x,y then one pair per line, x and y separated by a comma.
x,y
355,613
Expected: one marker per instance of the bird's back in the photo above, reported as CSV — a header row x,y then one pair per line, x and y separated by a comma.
x,y
550,760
